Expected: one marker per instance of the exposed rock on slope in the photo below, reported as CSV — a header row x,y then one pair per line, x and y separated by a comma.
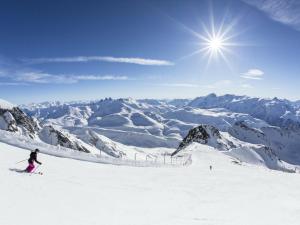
x,y
164,123
55,137
245,152
14,120
206,134
100,142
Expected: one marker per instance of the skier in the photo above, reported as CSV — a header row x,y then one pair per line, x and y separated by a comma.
x,y
31,160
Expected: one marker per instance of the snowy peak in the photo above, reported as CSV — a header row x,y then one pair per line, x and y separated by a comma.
x,y
277,112
228,122
15,120
243,152
206,134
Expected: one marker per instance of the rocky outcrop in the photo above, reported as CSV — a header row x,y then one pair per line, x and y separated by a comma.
x,y
55,137
100,142
205,134
15,120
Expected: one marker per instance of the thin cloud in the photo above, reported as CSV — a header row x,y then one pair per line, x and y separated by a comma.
x,y
138,61
44,78
218,84
180,85
107,77
38,77
12,84
253,74
284,11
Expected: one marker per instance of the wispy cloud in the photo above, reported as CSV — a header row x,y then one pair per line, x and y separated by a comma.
x,y
43,78
215,85
218,84
283,11
95,77
253,74
138,61
12,84
37,77
180,85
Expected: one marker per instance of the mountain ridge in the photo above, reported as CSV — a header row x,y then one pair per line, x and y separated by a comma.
x,y
111,124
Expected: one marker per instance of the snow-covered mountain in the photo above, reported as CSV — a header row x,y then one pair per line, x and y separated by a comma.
x,y
273,123
15,120
78,142
243,151
277,112
267,128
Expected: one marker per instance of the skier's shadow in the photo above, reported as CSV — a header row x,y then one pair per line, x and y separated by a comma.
x,y
17,170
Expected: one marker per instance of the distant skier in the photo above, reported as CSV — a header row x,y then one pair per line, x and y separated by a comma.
x,y
31,160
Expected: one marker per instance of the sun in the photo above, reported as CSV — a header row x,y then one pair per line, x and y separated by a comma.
x,y
215,44
215,40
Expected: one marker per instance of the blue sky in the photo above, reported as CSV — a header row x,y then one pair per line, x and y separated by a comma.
x,y
80,50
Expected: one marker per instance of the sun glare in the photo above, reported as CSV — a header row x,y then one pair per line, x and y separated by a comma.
x,y
216,40
215,44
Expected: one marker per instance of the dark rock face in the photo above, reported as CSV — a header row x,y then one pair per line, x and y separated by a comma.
x,y
61,139
205,134
200,134
15,118
243,126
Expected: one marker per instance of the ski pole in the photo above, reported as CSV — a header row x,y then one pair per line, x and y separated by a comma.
x,y
21,161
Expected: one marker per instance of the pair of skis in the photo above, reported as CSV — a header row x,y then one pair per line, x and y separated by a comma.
x,y
24,171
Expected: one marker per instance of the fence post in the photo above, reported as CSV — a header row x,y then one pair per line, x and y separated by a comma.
x,y
165,158
100,153
135,158
171,159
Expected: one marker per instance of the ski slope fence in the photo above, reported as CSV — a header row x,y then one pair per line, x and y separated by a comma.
x,y
139,160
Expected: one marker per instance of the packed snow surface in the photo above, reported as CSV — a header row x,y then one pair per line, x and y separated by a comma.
x,y
82,193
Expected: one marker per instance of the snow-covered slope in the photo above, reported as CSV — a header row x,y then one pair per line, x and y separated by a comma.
x,y
150,123
242,151
15,120
76,192
19,126
54,137
274,111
